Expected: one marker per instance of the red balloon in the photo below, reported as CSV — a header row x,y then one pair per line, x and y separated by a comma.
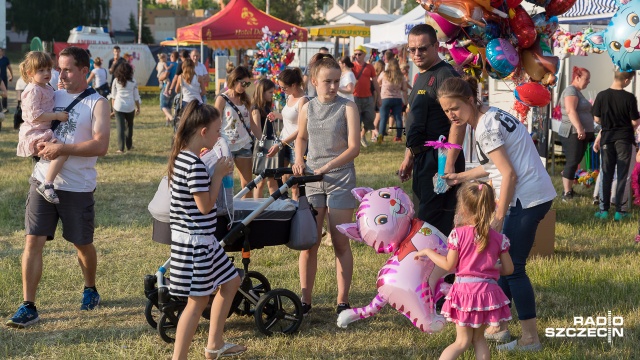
x,y
522,27
533,94
558,7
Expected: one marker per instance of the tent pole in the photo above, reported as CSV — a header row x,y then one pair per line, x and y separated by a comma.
x,y
201,49
336,46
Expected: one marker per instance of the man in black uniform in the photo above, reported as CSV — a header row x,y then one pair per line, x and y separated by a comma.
x,y
427,122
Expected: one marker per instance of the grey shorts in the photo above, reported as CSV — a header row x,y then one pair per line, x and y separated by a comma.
x,y
75,210
334,190
366,108
242,153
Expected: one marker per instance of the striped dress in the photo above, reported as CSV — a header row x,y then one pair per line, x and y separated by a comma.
x,y
198,262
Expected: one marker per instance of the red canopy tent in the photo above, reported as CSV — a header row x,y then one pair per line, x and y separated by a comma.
x,y
238,25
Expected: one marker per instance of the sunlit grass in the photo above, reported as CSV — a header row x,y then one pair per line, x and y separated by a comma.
x,y
595,269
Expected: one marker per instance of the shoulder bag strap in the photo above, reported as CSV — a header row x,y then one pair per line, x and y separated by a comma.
x,y
88,91
361,71
226,98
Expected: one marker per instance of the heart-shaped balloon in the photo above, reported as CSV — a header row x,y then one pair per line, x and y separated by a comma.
x,y
533,94
522,27
385,222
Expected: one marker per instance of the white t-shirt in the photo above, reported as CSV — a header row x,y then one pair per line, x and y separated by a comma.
x,y
345,79
201,69
498,128
234,129
78,174
100,76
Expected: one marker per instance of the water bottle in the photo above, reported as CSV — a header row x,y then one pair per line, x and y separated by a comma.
x,y
227,180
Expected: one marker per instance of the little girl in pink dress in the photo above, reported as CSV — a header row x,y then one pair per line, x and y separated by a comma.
x,y
475,300
37,104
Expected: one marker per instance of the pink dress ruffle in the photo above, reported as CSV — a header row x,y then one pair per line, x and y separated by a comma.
x,y
476,304
35,101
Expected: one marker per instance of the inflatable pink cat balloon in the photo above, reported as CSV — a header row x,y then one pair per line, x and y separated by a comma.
x,y
385,222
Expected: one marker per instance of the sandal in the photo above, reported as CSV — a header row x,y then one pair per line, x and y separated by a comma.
x,y
48,193
223,351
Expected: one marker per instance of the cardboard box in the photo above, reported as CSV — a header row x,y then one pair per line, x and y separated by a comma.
x,y
545,240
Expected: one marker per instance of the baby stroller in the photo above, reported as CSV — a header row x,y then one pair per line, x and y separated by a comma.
x,y
274,310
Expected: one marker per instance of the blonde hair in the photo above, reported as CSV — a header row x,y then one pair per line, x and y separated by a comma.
x,y
379,67
393,73
34,61
476,201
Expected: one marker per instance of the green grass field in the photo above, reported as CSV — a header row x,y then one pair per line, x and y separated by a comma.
x,y
595,269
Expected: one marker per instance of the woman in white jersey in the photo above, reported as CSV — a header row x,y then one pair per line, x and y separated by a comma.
x,y
523,187
290,81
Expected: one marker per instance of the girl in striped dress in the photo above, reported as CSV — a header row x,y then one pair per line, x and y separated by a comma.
x,y
199,265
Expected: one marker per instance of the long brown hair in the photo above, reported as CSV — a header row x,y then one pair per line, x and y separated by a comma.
x,y
261,102
195,116
234,77
476,200
393,73
460,88
188,70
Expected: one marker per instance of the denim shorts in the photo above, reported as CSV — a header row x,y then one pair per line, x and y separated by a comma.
x,y
289,154
242,153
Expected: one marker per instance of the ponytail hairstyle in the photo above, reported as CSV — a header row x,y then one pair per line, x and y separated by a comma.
x,y
98,61
234,77
188,70
327,62
347,62
577,72
195,117
260,102
291,77
34,61
460,88
476,202
315,59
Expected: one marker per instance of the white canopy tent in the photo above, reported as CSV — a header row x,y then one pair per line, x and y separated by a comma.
x,y
586,12
394,34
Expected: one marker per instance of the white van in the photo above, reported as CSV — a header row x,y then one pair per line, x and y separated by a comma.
x,y
89,35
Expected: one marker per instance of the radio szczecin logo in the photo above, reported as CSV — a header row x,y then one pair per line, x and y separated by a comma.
x,y
591,327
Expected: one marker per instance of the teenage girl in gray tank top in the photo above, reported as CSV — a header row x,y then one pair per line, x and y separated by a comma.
x,y
329,126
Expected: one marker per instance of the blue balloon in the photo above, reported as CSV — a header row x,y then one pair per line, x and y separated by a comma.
x,y
502,57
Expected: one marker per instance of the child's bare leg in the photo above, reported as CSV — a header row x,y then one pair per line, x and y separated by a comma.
x,y
54,168
464,336
187,325
219,309
480,344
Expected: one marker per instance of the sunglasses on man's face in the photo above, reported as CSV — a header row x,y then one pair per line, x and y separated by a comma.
x,y
421,49
245,83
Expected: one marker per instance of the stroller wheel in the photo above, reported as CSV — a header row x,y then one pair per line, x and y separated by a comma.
x,y
152,313
253,286
279,310
168,323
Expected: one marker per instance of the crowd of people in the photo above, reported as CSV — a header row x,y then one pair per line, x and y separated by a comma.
x,y
490,212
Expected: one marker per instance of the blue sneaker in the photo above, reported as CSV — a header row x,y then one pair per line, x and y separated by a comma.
x,y
24,317
619,216
90,299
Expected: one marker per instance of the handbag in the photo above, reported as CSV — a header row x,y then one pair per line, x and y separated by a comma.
x,y
303,233
260,159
